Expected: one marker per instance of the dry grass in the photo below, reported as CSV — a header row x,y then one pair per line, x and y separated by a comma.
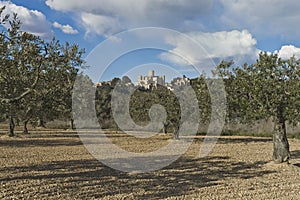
x,y
39,166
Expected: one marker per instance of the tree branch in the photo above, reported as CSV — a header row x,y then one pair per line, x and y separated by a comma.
x,y
27,91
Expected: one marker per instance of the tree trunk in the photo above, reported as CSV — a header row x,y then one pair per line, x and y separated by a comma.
x,y
176,132
11,132
41,123
165,127
72,124
25,129
17,121
281,145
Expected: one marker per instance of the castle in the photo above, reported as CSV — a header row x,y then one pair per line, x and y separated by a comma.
x,y
151,80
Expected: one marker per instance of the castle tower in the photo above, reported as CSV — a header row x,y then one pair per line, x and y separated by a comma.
x,y
151,73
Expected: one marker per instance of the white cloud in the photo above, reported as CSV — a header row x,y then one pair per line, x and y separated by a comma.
x,y
226,44
287,51
99,24
237,45
265,17
223,47
173,58
65,28
132,13
33,21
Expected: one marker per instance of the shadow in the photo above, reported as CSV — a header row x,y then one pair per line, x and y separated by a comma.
x,y
48,137
297,164
46,142
90,179
244,140
295,155
238,139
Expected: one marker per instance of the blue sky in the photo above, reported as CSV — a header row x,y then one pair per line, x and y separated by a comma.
x,y
226,29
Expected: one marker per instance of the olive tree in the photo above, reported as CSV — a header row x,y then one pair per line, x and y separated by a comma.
x,y
22,56
268,88
36,77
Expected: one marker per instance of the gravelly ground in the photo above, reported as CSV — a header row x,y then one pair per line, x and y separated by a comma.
x,y
61,168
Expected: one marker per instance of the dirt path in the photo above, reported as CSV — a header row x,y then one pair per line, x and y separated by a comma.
x,y
61,168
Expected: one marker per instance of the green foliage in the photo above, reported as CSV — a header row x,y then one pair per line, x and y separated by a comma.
x,y
143,100
265,89
103,105
203,97
36,77
140,103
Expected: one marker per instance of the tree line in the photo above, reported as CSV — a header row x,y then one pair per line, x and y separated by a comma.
x,y
37,77
267,89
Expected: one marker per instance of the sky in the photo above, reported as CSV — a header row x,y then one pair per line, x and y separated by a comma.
x,y
225,29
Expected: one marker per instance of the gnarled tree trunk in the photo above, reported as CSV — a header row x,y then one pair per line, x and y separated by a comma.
x,y
72,126
41,122
17,123
11,127
281,145
165,127
176,131
25,129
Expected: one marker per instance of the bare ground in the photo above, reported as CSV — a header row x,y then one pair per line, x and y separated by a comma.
x,y
40,167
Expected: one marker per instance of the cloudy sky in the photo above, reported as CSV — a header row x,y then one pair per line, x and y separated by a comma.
x,y
227,29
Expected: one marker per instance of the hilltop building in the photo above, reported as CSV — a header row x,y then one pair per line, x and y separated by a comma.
x,y
177,82
151,80
180,81
103,83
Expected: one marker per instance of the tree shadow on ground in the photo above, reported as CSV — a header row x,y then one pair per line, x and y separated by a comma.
x,y
296,155
225,140
91,179
51,140
46,142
